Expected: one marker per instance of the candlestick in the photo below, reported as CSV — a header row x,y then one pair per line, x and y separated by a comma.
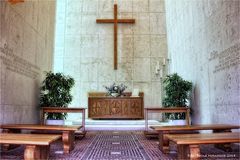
x,y
158,64
161,73
156,70
164,61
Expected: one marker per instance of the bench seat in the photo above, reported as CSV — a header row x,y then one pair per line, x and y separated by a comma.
x,y
37,145
205,138
164,130
188,145
67,132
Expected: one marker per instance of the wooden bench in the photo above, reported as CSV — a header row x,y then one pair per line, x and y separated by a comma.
x,y
163,130
188,145
45,110
67,132
37,146
147,110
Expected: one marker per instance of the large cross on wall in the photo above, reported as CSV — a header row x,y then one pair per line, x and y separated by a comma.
x,y
115,21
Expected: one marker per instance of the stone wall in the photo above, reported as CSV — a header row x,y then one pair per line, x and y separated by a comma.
x,y
84,49
204,47
26,49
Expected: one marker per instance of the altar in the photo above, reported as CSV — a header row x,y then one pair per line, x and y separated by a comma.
x,y
101,106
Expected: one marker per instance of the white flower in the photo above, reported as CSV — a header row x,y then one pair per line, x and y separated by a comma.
x,y
45,92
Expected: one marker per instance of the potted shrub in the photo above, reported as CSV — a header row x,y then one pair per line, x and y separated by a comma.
x,y
177,94
55,92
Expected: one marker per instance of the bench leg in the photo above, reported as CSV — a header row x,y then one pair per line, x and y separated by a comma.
x,y
68,141
182,152
163,143
194,152
33,152
191,152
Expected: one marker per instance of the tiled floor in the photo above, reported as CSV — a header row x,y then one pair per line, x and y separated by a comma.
x,y
120,145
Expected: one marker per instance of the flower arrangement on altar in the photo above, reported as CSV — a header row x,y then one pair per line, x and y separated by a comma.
x,y
115,90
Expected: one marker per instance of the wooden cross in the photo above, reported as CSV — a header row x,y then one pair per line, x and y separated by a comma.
x,y
115,21
15,1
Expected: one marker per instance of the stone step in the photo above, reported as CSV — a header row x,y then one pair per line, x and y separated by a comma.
x,y
115,124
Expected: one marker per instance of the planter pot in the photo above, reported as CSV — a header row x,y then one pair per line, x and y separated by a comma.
x,y
114,94
178,122
54,122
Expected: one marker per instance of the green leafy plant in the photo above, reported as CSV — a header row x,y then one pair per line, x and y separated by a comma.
x,y
55,92
177,93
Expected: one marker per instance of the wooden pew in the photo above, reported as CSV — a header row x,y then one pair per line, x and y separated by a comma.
x,y
188,145
37,146
45,110
148,110
67,132
163,130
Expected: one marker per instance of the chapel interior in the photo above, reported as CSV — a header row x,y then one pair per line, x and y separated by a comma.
x,y
133,45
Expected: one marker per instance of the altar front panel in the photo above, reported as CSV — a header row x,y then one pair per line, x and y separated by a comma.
x,y
125,107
